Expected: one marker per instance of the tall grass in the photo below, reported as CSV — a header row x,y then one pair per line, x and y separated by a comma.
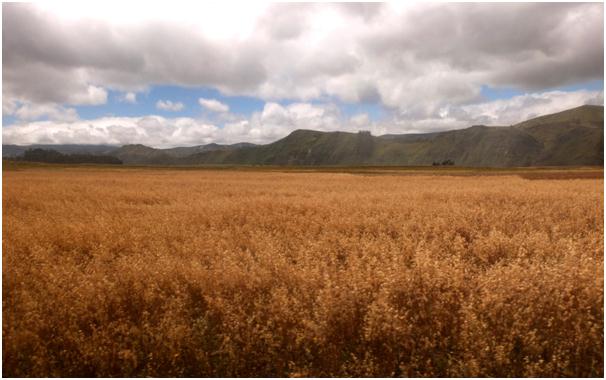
x,y
193,273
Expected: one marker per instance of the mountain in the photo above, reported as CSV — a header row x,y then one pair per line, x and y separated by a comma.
x,y
143,155
187,151
572,137
53,157
19,150
137,154
586,115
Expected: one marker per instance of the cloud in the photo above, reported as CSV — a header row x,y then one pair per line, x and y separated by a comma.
x,y
275,121
129,97
167,105
285,21
360,120
415,58
423,64
527,106
93,96
502,112
8,106
150,130
29,111
213,105
38,83
61,59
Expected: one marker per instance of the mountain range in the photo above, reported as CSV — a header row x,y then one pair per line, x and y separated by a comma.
x,y
572,137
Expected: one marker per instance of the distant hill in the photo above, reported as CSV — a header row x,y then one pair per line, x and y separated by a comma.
x,y
55,157
584,115
572,137
137,154
141,154
187,151
19,150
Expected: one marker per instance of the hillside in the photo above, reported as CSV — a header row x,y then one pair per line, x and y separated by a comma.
x,y
571,137
138,154
54,157
587,115
18,150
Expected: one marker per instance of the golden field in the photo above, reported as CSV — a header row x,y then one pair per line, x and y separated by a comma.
x,y
158,272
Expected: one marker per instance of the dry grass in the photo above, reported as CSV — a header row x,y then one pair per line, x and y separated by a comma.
x,y
225,273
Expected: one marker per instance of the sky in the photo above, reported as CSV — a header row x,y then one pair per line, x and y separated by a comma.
x,y
168,74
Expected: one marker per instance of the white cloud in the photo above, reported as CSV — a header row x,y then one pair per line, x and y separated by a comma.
x,y
150,130
167,105
425,63
93,96
360,120
213,105
29,111
527,106
270,124
416,59
8,106
276,121
129,97
493,113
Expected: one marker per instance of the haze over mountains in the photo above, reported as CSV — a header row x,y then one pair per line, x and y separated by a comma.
x,y
571,137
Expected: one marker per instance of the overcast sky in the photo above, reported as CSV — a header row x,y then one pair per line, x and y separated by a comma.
x,y
176,74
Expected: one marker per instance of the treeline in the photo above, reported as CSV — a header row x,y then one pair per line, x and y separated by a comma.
x,y
443,163
54,157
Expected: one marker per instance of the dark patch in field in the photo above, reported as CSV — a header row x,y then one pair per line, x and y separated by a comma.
x,y
563,175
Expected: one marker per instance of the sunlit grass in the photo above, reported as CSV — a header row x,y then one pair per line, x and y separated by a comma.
x,y
148,272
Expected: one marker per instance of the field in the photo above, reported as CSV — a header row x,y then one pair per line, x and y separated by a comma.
x,y
165,272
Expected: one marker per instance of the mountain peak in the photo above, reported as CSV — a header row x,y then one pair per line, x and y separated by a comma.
x,y
589,115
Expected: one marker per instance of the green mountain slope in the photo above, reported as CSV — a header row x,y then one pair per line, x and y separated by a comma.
x,y
138,154
587,115
9,150
572,137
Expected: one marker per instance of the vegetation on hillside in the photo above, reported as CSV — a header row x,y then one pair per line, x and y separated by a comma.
x,y
571,138
10,150
225,273
54,157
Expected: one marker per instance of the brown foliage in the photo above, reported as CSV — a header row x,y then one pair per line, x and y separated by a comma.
x,y
209,273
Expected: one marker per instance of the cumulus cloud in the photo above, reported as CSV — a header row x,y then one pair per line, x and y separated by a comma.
x,y
8,106
213,105
167,105
424,64
53,58
129,97
275,121
31,111
150,130
527,106
502,112
360,120
401,56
